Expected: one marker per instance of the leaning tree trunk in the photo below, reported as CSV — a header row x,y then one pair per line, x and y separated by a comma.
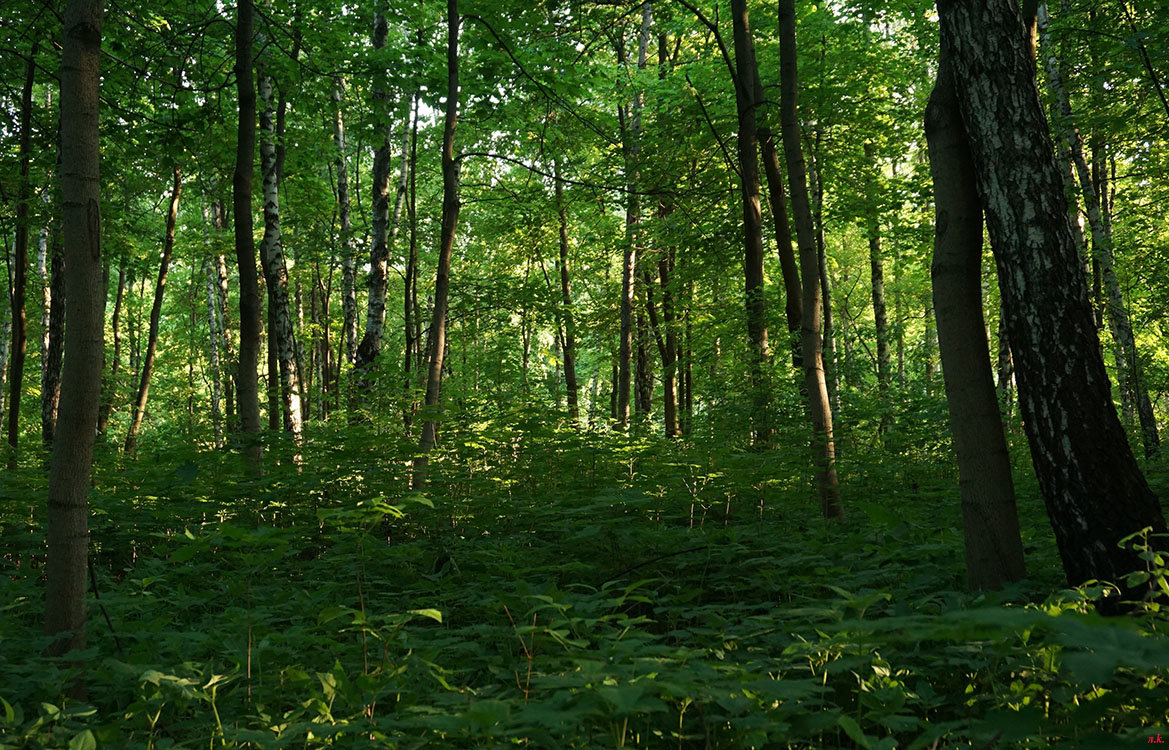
x,y
280,328
155,315
53,339
753,290
20,259
247,386
994,550
813,355
1119,320
1094,490
68,534
436,342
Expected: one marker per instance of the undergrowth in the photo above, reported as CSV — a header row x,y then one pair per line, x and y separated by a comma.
x,y
558,590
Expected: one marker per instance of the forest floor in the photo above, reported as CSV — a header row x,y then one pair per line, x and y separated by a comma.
x,y
557,590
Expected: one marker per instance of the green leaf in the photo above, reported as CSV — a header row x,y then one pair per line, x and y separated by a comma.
x,y
83,740
853,730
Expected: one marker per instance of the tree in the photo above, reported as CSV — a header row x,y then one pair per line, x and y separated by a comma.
x,y
247,386
139,405
20,261
746,73
1094,490
824,445
994,549
436,342
68,535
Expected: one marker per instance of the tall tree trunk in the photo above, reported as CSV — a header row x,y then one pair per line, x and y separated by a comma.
x,y
994,550
110,387
831,366
20,260
436,341
247,386
570,385
348,261
631,140
218,221
214,325
410,311
1094,490
155,314
819,408
745,75
281,334
53,339
877,273
384,229
1118,317
68,534
1005,370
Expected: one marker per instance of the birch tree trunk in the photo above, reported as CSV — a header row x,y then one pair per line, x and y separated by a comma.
x,y
281,334
68,533
139,407
1093,488
436,342
824,445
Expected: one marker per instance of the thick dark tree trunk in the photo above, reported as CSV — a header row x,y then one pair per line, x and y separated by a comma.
x,y
1094,490
450,219
824,444
245,245
745,75
68,534
994,550
155,315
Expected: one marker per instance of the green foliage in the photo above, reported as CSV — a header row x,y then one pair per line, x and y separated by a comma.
x,y
562,590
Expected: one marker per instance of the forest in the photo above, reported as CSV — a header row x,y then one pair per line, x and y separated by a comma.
x,y
584,374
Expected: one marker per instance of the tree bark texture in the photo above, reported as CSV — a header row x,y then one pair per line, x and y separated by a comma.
x,y
994,549
819,408
281,334
436,342
1094,490
139,406
348,261
68,534
53,339
570,385
631,140
247,386
745,75
214,328
20,261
